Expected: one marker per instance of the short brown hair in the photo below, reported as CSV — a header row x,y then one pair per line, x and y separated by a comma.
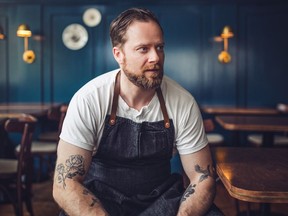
x,y
120,24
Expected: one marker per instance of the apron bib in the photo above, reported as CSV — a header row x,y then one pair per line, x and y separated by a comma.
x,y
130,172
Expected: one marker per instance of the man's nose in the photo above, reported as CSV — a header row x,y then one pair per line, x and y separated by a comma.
x,y
154,56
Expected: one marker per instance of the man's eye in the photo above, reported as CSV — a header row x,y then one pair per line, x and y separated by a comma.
x,y
160,48
142,49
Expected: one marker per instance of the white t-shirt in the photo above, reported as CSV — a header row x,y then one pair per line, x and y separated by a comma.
x,y
85,119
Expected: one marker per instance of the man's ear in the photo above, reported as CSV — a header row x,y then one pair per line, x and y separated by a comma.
x,y
118,55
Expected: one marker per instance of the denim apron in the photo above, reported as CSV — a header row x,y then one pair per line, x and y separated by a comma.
x,y
130,172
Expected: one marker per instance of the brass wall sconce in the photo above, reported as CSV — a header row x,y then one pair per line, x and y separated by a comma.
x,y
2,36
224,57
25,32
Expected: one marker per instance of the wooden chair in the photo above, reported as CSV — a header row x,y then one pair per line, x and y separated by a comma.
x,y
16,174
214,139
45,150
53,117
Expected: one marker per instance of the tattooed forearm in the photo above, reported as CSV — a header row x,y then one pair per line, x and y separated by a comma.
x,y
94,199
205,173
189,191
74,166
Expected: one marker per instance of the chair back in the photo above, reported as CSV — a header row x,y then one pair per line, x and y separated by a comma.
x,y
58,114
24,125
63,111
208,125
54,113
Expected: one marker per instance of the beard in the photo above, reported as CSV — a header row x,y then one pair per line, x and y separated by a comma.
x,y
152,82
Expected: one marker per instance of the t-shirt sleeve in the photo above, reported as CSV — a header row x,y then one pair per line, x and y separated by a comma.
x,y
79,125
191,135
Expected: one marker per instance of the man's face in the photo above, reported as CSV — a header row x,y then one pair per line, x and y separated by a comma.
x,y
143,54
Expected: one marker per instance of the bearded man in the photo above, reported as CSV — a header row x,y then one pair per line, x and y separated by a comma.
x,y
120,131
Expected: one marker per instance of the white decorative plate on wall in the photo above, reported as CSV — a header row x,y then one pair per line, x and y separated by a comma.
x,y
92,17
75,36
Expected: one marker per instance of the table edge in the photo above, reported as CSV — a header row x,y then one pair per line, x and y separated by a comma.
x,y
238,193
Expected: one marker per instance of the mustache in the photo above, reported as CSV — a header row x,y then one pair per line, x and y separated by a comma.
x,y
153,67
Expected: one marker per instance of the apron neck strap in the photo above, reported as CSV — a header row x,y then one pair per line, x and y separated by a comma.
x,y
112,119
163,107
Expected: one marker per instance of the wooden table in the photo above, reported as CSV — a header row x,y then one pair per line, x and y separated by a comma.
x,y
254,174
35,109
267,125
229,110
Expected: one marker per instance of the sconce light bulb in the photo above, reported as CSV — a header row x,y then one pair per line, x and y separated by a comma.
x,y
29,56
224,57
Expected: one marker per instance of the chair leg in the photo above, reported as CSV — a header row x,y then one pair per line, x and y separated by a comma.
x,y
50,165
19,206
29,206
39,173
28,197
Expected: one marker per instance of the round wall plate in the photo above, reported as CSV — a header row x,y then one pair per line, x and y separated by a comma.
x,y
92,17
74,36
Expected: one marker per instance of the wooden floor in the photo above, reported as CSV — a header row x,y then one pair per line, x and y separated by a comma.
x,y
44,205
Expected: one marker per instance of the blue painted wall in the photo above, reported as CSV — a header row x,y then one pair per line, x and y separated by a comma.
x,y
257,75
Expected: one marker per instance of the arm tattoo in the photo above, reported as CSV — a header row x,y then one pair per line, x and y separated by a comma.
x,y
190,190
205,173
94,199
74,166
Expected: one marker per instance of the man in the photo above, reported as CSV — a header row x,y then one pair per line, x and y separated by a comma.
x,y
120,130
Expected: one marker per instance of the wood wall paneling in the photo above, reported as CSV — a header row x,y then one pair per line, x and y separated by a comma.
x,y
263,45
256,76
69,69
3,59
22,79
183,46
220,79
